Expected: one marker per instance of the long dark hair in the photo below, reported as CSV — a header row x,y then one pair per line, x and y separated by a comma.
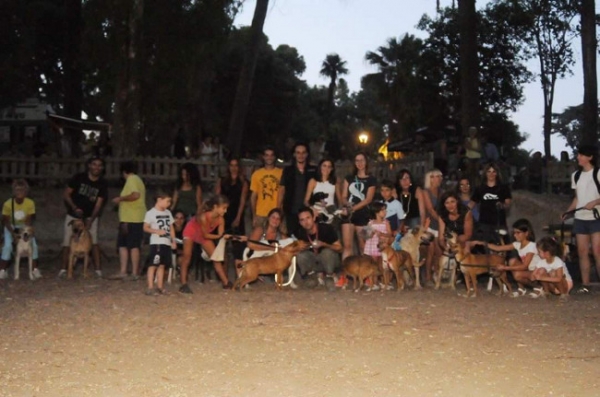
x,y
413,186
193,175
443,212
355,169
332,178
523,225
228,179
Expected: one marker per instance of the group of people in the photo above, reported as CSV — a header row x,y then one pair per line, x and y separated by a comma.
x,y
299,201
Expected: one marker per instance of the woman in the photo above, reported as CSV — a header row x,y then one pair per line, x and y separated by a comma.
x,y
455,217
324,182
411,197
464,194
357,193
235,187
494,199
188,193
431,196
271,232
179,221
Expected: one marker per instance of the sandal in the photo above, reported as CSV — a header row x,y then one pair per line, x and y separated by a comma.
x,y
151,292
519,292
582,290
163,291
185,289
537,293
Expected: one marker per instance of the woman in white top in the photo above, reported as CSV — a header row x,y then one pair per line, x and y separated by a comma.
x,y
521,267
551,271
325,182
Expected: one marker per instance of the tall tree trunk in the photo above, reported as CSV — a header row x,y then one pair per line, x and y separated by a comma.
x,y
469,65
589,46
244,88
330,96
72,69
127,119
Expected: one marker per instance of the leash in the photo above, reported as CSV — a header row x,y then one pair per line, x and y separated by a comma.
x,y
572,212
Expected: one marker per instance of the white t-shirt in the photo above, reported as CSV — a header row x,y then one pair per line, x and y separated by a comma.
x,y
556,264
159,220
586,191
326,187
530,248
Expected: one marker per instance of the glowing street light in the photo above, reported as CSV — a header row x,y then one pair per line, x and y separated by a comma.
x,y
363,138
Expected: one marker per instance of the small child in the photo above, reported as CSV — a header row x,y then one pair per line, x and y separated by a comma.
x,y
394,212
551,271
158,222
380,227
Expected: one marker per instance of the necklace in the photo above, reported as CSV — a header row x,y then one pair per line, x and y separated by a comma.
x,y
313,242
406,207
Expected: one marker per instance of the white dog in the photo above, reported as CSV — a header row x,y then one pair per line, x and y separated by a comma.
x,y
24,248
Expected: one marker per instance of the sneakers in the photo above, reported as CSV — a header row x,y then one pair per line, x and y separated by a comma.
x,y
519,292
185,289
98,273
321,280
62,273
3,274
582,290
341,282
36,274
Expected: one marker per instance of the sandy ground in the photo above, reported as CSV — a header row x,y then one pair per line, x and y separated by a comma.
x,y
95,337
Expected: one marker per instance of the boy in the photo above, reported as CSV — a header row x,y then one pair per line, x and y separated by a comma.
x,y
158,223
394,213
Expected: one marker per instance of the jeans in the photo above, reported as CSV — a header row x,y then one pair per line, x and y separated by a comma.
x,y
326,261
7,249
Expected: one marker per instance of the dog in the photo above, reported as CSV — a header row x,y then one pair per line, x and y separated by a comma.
x,y
410,242
79,246
24,248
472,265
447,263
327,213
394,261
272,264
360,267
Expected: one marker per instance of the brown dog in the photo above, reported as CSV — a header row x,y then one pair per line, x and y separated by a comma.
x,y
447,263
80,246
410,242
360,267
394,261
272,264
472,265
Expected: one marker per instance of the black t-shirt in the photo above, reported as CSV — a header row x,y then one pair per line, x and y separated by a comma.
x,y
325,233
357,191
86,192
487,197
295,184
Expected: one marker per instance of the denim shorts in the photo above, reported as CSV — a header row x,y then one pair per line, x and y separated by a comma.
x,y
586,227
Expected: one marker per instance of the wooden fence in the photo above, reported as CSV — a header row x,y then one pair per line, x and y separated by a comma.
x,y
156,170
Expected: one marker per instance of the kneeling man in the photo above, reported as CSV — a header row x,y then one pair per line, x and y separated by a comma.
x,y
324,255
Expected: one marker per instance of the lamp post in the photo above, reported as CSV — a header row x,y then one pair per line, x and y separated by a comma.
x,y
363,138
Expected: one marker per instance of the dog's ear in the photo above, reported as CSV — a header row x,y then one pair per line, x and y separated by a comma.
x,y
70,222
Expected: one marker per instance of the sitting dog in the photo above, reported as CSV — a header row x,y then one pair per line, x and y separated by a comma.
x,y
410,242
394,261
79,247
472,265
272,264
360,267
447,263
24,248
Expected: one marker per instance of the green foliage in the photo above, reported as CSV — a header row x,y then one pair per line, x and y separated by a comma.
x,y
569,124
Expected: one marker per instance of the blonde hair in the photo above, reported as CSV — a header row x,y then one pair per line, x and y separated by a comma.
x,y
428,175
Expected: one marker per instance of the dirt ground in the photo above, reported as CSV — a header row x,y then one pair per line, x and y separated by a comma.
x,y
97,337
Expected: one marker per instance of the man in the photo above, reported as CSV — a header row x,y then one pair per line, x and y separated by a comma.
x,y
264,185
84,197
586,227
324,255
292,187
132,210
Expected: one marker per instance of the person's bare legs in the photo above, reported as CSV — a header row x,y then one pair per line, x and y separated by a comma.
x,y
596,250
583,251
135,261
347,240
160,277
361,240
123,259
150,276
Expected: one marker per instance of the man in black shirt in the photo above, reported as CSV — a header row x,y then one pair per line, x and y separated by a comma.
x,y
324,254
84,196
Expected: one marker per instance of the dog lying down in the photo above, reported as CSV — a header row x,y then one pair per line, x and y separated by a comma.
x,y
273,264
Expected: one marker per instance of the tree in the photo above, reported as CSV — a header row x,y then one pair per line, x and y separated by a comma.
x,y
589,46
570,125
244,88
332,67
469,63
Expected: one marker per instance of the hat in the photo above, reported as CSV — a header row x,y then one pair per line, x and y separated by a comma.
x,y
587,150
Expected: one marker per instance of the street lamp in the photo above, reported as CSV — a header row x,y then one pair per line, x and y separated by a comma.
x,y
363,138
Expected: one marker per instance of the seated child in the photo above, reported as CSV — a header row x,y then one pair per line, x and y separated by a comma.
x,y
551,271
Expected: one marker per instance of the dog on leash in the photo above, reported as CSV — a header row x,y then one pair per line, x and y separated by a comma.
x,y
24,248
272,264
360,267
410,242
79,246
472,265
447,263
394,262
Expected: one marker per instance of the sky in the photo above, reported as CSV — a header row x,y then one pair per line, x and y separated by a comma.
x,y
351,28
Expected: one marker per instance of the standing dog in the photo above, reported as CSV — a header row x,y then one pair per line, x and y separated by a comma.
x,y
472,265
24,248
272,264
360,267
394,261
410,242
80,246
448,263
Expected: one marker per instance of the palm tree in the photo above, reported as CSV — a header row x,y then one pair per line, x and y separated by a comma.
x,y
332,67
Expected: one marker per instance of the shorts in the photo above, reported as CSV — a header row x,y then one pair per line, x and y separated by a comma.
x,y
130,235
160,255
69,231
586,227
358,218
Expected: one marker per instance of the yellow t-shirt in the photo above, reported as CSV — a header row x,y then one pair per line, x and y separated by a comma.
x,y
21,211
265,183
133,211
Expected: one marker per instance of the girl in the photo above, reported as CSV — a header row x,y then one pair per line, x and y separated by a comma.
x,y
551,271
324,182
432,193
521,267
235,187
205,229
380,227
411,197
187,196
455,217
271,232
